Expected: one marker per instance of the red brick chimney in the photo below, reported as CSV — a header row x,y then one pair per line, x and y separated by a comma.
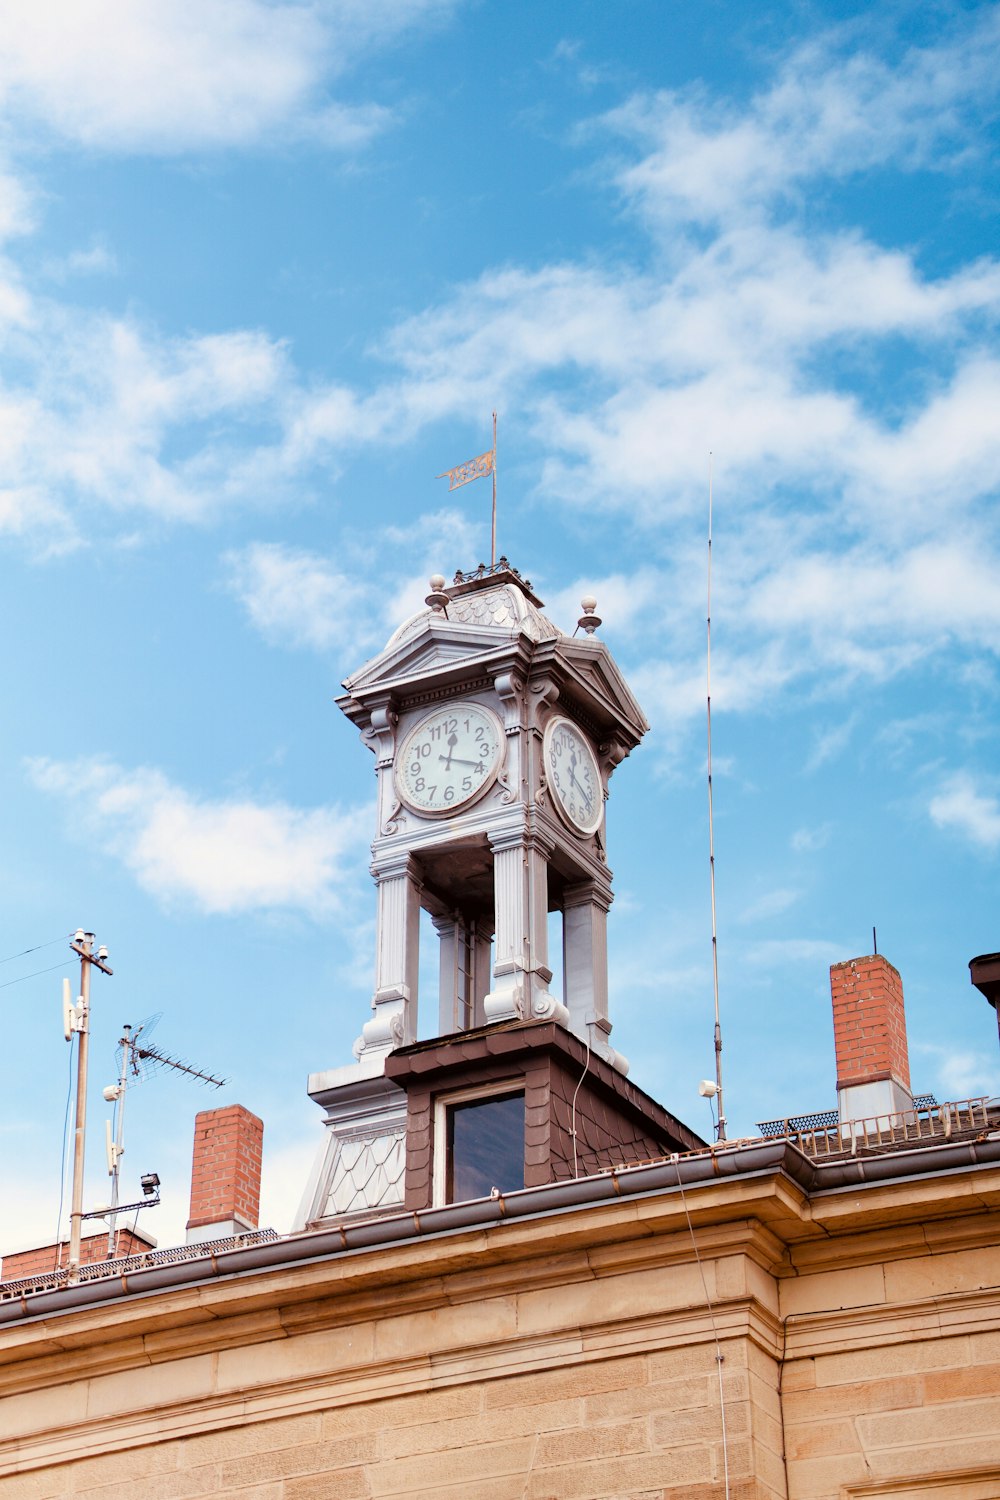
x,y
869,1032
225,1173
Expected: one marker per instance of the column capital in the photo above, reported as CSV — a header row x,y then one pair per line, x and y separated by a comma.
x,y
593,892
532,839
395,864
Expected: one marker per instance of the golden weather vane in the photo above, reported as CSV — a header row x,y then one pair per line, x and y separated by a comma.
x,y
478,468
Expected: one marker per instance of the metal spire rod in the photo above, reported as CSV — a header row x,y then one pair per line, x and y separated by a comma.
x,y
720,1129
493,530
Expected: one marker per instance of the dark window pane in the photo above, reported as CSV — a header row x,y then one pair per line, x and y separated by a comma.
x,y
485,1147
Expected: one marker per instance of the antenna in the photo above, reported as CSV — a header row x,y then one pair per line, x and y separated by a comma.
x,y
136,1064
152,1055
116,1094
720,1128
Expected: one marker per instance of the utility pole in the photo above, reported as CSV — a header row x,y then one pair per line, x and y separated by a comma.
x,y
82,944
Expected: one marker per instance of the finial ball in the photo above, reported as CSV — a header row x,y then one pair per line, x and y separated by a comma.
x,y
437,582
588,604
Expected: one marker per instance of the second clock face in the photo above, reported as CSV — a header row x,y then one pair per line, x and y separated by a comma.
x,y
573,775
449,759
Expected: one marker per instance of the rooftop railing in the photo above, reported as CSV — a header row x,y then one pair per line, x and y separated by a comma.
x,y
820,1136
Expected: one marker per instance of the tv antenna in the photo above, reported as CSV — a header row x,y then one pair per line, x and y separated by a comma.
x,y
137,1060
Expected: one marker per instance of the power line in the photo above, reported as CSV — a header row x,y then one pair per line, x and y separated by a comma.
x,y
62,1162
37,948
8,982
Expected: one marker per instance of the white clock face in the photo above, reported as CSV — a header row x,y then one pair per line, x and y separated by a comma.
x,y
573,776
449,759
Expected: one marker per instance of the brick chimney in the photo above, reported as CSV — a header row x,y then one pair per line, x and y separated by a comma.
x,y
869,1032
225,1173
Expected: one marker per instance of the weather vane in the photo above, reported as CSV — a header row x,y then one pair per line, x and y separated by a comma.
x,y
478,468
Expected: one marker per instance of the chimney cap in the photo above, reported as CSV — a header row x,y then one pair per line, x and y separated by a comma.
x,y
984,972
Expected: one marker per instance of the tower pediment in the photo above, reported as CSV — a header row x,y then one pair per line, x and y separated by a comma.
x,y
587,675
431,646
490,623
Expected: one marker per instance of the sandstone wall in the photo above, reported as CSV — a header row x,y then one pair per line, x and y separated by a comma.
x,y
573,1355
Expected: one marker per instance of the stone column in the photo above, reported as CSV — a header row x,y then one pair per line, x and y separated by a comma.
x,y
585,966
521,973
481,940
464,971
394,1022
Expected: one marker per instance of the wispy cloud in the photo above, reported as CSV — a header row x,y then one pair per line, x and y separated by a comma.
x,y
829,112
223,856
961,1074
769,904
830,743
298,598
808,840
116,76
778,952
961,806
855,540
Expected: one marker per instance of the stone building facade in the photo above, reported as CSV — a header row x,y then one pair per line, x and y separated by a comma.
x,y
761,1319
515,1276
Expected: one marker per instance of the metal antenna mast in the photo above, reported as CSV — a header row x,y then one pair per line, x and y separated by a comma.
x,y
77,1018
720,1129
137,1060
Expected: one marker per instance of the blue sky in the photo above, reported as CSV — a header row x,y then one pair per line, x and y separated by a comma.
x,y
265,271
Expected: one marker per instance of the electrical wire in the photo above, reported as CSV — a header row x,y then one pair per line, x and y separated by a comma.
x,y
35,972
62,1161
36,949
586,1068
715,1332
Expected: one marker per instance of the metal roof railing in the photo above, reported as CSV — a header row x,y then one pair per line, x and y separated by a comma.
x,y
819,1135
100,1270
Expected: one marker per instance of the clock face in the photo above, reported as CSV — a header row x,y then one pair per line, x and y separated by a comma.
x,y
573,776
449,759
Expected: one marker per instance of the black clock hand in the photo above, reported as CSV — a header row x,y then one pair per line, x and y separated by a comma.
x,y
589,796
452,742
460,762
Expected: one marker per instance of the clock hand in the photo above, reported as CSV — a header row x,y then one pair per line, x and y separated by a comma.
x,y
583,792
460,762
452,742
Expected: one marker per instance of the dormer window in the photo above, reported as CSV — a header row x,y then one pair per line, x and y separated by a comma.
x,y
478,1142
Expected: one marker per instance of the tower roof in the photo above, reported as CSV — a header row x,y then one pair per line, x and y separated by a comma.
x,y
497,598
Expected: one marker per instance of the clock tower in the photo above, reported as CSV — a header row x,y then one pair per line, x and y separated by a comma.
x,y
495,737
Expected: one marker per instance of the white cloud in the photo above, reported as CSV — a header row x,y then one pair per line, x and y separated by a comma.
x,y
96,260
852,538
962,807
107,416
284,1174
623,600
297,597
225,856
808,840
777,952
134,75
831,742
769,904
827,113
958,1075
